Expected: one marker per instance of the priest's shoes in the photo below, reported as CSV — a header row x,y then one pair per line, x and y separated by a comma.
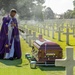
x,y
11,58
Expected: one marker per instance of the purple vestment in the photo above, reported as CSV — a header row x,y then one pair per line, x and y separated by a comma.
x,y
4,38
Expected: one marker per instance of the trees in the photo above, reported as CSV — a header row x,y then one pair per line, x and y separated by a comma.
x,y
7,5
70,13
74,4
37,12
26,8
48,13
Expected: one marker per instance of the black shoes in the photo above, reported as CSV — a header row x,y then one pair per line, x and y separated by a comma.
x,y
11,58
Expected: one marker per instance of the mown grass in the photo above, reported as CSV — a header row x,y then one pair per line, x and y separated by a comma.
x,y
22,66
62,43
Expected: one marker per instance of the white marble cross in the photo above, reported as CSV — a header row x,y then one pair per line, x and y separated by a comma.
x,y
57,25
67,34
59,31
68,62
73,30
53,30
62,26
38,28
41,29
44,26
48,30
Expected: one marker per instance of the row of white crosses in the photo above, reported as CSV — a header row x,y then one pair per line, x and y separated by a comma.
x,y
68,62
60,30
33,37
30,36
43,27
67,33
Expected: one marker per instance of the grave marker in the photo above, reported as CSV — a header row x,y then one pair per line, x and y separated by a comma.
x,y
28,33
67,33
59,31
68,62
53,30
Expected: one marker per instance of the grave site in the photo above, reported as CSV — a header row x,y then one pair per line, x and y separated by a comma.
x,y
62,34
37,37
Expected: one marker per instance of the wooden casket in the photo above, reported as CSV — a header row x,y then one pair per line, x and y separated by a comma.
x,y
46,51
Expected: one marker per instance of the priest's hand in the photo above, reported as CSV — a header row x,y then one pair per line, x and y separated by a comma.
x,y
6,45
13,24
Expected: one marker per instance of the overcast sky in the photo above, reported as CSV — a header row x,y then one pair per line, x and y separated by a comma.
x,y
59,6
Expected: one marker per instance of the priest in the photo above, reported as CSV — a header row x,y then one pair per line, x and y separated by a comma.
x,y
9,38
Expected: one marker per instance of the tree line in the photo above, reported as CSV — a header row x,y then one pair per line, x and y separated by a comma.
x,y
33,9
28,9
69,14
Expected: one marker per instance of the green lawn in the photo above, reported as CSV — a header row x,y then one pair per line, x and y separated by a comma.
x,y
22,67
19,67
62,43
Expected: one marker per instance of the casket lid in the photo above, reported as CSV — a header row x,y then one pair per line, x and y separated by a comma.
x,y
41,42
46,43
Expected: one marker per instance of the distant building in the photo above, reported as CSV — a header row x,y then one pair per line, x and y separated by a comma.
x,y
57,16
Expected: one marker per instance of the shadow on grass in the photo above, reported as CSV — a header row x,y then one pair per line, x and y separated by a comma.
x,y
12,62
61,41
70,45
52,68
